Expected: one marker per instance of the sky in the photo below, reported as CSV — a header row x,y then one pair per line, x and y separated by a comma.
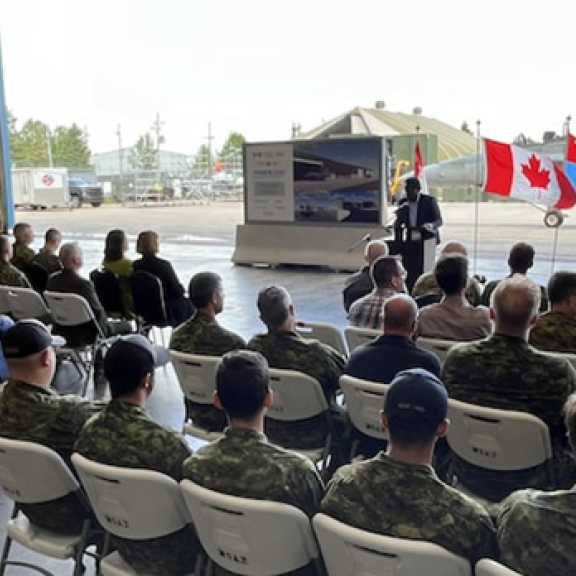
x,y
257,66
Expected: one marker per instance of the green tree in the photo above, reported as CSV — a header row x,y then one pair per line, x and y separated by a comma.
x,y
202,159
466,128
70,148
143,154
29,146
232,145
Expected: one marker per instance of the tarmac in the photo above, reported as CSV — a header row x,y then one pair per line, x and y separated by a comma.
x,y
201,237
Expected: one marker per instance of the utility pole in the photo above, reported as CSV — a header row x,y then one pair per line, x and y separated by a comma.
x,y
157,128
120,157
49,147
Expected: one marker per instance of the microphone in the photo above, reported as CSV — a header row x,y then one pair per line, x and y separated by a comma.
x,y
365,238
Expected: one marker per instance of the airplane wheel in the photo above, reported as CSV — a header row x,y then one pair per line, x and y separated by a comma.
x,y
553,219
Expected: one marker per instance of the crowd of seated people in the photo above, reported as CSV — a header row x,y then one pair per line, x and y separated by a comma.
x,y
396,491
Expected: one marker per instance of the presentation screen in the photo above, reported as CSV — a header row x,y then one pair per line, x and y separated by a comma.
x,y
331,181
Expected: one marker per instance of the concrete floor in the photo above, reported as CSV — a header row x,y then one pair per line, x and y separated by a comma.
x,y
201,237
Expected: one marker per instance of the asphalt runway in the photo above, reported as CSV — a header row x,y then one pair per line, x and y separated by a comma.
x,y
201,237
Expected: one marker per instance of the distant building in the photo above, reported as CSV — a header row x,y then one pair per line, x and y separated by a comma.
x,y
121,162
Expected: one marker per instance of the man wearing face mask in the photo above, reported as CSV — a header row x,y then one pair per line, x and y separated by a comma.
x,y
418,211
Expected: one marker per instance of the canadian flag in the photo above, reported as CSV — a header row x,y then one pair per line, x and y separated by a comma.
x,y
526,175
419,168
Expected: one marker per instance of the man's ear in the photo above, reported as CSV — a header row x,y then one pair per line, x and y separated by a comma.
x,y
492,314
45,357
216,401
383,419
268,399
443,427
534,320
145,381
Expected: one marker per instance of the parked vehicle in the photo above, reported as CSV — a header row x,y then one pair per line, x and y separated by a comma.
x,y
81,192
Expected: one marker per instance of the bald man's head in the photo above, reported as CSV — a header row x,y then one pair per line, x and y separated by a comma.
x,y
374,250
514,304
399,315
71,256
454,248
5,247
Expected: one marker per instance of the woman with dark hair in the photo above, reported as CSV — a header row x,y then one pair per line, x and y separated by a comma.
x,y
115,248
178,306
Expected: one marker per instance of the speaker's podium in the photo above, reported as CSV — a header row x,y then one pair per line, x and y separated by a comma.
x,y
418,251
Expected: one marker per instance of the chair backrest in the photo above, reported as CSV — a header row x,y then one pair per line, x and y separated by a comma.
x,y
31,473
487,567
197,375
364,401
37,276
148,297
107,285
436,346
121,499
297,396
356,337
427,299
24,303
347,550
248,536
496,439
326,333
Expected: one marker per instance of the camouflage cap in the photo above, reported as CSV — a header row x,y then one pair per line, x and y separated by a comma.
x,y
419,393
28,337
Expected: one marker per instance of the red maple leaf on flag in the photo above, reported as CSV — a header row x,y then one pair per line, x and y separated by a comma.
x,y
537,176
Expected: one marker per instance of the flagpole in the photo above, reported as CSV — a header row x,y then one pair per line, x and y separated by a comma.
x,y
477,197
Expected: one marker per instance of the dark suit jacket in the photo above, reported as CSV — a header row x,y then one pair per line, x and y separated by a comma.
x,y
70,282
428,212
357,285
163,270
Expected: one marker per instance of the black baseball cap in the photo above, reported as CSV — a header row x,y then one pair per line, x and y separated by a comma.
x,y
133,353
28,337
418,393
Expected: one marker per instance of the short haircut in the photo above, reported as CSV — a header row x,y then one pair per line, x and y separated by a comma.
x,y
521,257
405,431
242,383
413,182
147,242
5,243
52,235
516,301
202,287
68,252
399,311
383,270
570,419
375,249
451,273
561,286
454,247
114,245
19,229
274,305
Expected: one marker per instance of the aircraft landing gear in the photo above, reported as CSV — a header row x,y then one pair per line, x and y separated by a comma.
x,y
553,218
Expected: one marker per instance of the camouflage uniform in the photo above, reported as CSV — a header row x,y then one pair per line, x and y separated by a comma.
x,y
201,334
426,284
243,463
124,435
40,415
401,500
22,256
555,332
47,261
536,532
507,373
289,351
11,276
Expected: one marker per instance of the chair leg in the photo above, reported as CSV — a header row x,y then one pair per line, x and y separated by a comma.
x,y
5,552
79,567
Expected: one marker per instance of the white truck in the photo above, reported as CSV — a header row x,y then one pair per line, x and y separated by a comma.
x,y
51,187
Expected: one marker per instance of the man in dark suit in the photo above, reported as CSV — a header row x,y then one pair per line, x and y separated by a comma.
x,y
418,211
69,281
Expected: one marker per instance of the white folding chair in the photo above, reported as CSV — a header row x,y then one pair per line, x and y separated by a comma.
x,y
197,377
70,310
246,536
349,551
298,396
436,346
364,402
33,474
356,337
326,333
502,440
121,499
24,303
487,567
